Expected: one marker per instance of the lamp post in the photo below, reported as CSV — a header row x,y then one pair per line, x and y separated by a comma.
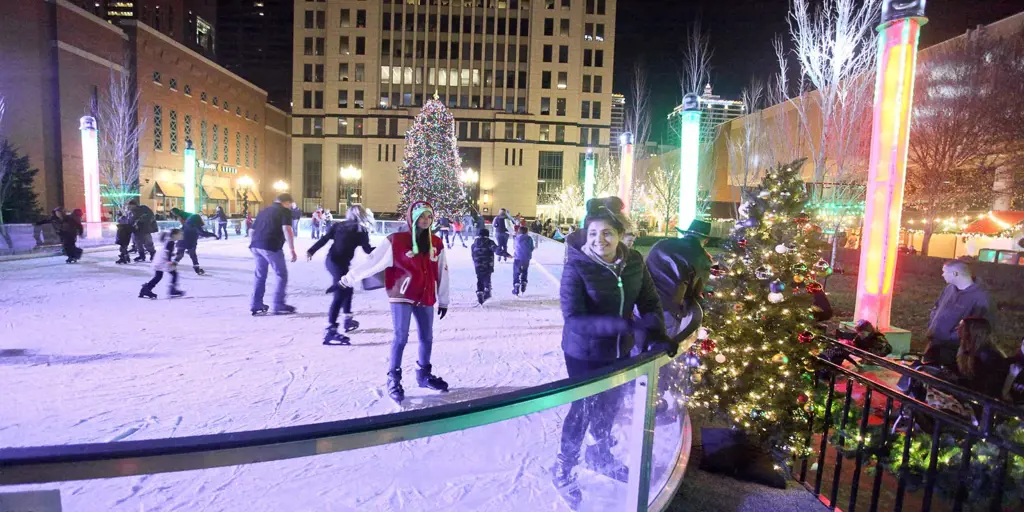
x,y
899,32
471,179
589,181
689,156
626,170
91,169
349,176
190,177
245,184
280,186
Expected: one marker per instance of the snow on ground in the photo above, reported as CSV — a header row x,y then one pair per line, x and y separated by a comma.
x,y
83,360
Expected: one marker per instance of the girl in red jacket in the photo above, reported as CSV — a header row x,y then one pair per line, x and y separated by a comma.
x,y
416,278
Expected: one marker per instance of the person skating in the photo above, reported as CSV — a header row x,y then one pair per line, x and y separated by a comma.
x,y
222,223
502,225
316,219
71,231
521,261
145,225
416,278
270,231
346,237
601,285
163,262
123,238
459,229
483,252
296,217
192,229
444,228
469,224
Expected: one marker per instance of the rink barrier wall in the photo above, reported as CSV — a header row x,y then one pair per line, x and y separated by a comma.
x,y
47,464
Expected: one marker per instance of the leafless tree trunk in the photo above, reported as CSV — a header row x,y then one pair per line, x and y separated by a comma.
x,y
662,183
696,60
121,124
5,183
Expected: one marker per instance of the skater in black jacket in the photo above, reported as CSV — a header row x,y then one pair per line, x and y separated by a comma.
x,y
163,262
71,231
521,261
145,225
346,237
483,251
124,237
222,222
192,229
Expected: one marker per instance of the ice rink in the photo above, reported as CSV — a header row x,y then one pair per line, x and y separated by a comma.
x,y
83,360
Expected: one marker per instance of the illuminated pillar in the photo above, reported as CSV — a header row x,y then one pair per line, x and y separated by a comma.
x,y
91,169
190,177
887,172
626,171
689,156
589,181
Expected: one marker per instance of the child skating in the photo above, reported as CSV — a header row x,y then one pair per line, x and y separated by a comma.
x,y
125,230
483,251
521,261
164,262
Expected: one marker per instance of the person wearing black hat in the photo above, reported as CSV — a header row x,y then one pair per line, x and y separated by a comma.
x,y
680,267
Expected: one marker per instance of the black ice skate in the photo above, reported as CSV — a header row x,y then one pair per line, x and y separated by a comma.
x,y
427,380
333,337
262,310
395,389
146,293
565,482
487,294
199,270
515,289
141,258
285,310
174,293
71,260
599,459
122,260
480,298
350,324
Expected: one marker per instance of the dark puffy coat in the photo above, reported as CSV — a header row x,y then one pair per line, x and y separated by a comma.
x,y
220,216
524,248
597,305
191,228
124,232
679,268
71,229
143,219
479,223
483,254
346,236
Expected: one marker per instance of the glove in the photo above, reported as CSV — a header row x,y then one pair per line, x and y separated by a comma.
x,y
662,343
441,312
345,281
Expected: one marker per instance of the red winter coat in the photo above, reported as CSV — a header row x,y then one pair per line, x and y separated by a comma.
x,y
420,279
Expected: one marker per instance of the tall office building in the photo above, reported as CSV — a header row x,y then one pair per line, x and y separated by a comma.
x,y
715,111
528,81
254,40
618,124
190,22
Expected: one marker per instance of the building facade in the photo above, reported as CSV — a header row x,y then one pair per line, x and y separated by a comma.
x,y
62,59
529,83
714,112
618,125
265,60
190,22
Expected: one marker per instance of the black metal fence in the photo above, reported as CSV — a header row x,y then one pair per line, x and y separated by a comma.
x,y
939,446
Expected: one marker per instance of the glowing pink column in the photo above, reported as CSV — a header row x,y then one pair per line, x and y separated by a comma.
x,y
91,169
626,171
894,87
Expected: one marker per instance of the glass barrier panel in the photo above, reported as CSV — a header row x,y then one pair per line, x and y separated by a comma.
x,y
672,430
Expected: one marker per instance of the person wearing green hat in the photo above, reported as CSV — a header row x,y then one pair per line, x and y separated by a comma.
x,y
416,277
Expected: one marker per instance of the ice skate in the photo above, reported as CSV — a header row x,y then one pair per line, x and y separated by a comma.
x,y
333,337
141,258
146,293
175,293
430,381
350,324
285,310
395,389
262,310
199,270
122,260
599,459
480,298
565,482
515,289
487,294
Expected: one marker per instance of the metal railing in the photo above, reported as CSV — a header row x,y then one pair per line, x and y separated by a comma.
x,y
47,464
922,457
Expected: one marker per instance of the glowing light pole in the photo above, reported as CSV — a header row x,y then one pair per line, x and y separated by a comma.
x,y
589,181
626,170
689,156
349,177
887,172
91,170
190,177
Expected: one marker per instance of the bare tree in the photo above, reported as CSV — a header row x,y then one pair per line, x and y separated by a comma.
x,y
696,60
834,45
5,181
661,182
955,139
638,112
747,145
121,125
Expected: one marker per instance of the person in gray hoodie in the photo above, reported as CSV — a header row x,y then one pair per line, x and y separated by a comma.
x,y
962,298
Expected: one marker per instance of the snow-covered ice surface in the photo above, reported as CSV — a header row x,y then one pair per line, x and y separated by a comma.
x,y
82,360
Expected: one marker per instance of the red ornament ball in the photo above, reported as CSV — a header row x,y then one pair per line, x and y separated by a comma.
x,y
802,399
814,287
707,345
805,337
742,242
737,307
802,219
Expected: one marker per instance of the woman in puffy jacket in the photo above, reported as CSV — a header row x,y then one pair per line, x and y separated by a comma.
x,y
601,284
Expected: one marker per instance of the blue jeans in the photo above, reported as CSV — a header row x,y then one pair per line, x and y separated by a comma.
x,y
400,315
275,259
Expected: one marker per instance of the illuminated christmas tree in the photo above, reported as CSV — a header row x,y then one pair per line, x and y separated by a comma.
x,y
431,167
753,360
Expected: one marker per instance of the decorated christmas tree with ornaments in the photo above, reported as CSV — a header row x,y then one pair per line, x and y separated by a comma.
x,y
752,365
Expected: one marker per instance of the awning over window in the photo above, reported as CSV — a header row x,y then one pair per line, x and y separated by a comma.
x,y
254,196
169,189
215,193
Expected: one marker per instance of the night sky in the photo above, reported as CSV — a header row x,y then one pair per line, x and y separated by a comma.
x,y
653,32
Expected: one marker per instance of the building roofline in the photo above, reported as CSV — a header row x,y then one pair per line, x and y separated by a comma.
x,y
89,16
202,59
282,112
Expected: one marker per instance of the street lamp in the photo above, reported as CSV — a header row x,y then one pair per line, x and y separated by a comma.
x,y
350,175
470,179
280,186
245,184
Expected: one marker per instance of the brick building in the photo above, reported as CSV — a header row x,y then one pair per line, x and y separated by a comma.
x,y
62,59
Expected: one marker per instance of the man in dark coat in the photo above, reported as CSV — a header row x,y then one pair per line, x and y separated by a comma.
x,y
145,225
192,229
71,231
680,267
483,251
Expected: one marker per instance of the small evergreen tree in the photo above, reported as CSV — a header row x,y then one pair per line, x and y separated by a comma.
x,y
757,348
19,203
431,167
